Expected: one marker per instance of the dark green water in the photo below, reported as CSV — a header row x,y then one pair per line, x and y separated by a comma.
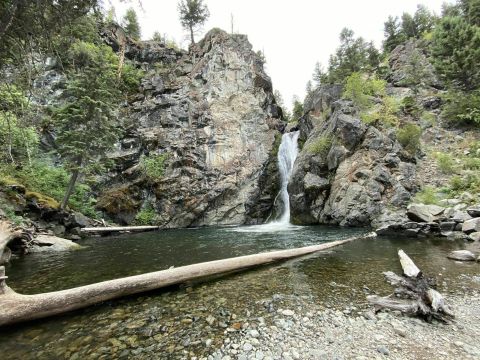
x,y
173,323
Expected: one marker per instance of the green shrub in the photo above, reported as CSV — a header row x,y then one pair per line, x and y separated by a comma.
x,y
360,89
428,195
445,163
321,145
471,163
131,78
462,108
410,107
154,166
146,216
50,181
470,182
383,113
409,137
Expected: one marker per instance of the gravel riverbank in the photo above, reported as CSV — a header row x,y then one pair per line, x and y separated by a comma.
x,y
309,331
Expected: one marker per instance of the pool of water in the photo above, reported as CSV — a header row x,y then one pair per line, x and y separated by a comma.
x,y
176,322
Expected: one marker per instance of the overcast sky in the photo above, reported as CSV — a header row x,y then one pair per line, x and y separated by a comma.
x,y
294,35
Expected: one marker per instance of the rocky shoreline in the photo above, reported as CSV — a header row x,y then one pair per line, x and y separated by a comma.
x,y
456,220
316,332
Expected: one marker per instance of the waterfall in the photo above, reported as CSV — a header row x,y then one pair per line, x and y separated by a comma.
x,y
287,153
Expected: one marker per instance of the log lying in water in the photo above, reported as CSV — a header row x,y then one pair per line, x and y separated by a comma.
x,y
414,293
118,229
15,307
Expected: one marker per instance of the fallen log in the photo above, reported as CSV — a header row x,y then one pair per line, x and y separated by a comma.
x,y
17,307
118,229
414,294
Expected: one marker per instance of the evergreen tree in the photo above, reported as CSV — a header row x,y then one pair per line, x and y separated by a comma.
x,y
86,122
157,37
193,14
319,75
393,34
131,25
456,51
297,110
353,55
309,87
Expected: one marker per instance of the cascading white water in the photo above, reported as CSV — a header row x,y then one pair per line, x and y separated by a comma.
x,y
287,153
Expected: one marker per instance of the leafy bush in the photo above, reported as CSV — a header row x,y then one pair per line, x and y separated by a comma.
x,y
445,163
428,195
383,113
131,78
146,216
409,137
321,145
362,90
470,182
462,108
154,166
410,107
45,181
359,88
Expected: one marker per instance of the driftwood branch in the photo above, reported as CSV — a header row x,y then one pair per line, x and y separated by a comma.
x,y
414,294
17,307
109,229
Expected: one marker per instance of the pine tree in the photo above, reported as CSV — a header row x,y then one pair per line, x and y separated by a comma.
x,y
353,55
319,75
86,124
393,34
193,14
131,25
456,51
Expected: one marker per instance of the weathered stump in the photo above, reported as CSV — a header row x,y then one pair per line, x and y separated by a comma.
x,y
414,294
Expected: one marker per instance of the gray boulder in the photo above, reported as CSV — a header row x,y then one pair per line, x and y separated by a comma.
x,y
474,211
460,216
471,226
475,236
462,255
424,213
46,243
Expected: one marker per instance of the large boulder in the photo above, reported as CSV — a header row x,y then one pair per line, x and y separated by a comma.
x,y
474,211
48,243
424,213
471,226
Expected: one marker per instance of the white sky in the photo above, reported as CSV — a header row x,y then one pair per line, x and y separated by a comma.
x,y
294,35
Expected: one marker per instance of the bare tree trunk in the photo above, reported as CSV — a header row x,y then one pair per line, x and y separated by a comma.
x,y
71,184
16,307
192,38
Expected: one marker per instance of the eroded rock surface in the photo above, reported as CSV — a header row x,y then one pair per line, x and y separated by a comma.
x,y
212,115
348,173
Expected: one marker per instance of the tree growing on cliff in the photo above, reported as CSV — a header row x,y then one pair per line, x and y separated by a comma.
x,y
353,55
131,25
319,75
86,122
193,14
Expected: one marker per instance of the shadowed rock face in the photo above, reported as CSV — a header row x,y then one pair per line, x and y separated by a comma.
x,y
213,114
357,177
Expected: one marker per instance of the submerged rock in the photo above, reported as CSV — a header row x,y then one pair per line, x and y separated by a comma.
x,y
462,255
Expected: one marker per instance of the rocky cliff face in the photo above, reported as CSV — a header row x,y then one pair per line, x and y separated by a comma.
x,y
348,173
211,117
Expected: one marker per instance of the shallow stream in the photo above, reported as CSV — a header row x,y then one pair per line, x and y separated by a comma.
x,y
177,322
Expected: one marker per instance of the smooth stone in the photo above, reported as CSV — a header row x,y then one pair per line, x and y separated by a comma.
x,y
471,226
288,312
462,255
